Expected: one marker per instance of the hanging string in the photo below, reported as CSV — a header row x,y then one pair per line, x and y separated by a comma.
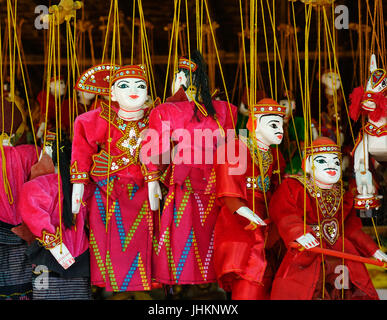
x,y
133,20
219,63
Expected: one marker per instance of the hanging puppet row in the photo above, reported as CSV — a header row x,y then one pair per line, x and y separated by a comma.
x,y
213,223
135,194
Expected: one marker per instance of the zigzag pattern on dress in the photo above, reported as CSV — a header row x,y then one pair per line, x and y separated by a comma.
x,y
136,264
144,211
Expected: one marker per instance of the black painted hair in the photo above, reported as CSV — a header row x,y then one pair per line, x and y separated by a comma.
x,y
64,169
200,81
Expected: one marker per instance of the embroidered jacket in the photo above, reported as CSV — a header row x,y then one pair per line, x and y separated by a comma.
x,y
326,212
97,137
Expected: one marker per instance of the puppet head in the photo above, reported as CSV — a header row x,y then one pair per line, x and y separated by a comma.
x,y
12,111
243,107
191,76
57,86
331,80
372,101
85,97
268,122
322,162
289,103
129,87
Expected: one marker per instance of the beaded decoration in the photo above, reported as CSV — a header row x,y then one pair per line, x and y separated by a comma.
x,y
96,79
375,131
187,64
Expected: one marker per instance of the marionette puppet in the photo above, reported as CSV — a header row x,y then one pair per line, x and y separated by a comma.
x,y
105,153
85,101
293,135
331,114
314,210
243,110
372,139
244,247
16,162
60,243
183,252
57,91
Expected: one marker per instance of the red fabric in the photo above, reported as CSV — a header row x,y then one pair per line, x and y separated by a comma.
x,y
169,118
246,290
355,106
19,161
42,167
299,271
240,253
39,207
66,106
189,211
178,96
126,244
358,96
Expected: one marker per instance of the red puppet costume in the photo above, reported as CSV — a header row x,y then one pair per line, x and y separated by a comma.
x,y
183,250
244,263
48,110
15,268
120,236
306,275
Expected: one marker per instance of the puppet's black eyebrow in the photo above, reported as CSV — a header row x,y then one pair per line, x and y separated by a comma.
x,y
140,81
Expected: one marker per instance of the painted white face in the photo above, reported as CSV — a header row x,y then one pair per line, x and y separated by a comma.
x,y
179,80
269,129
59,86
327,167
86,95
331,80
286,104
130,93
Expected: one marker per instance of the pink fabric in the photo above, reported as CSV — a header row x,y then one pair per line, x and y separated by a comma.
x,y
19,161
184,250
39,207
120,252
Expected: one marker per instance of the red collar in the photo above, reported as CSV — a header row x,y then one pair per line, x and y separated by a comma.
x,y
179,96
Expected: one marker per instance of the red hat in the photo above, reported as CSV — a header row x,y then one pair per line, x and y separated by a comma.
x,y
319,146
266,106
187,64
96,79
130,71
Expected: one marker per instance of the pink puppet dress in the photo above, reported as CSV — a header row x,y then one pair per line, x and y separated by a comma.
x,y
121,222
183,245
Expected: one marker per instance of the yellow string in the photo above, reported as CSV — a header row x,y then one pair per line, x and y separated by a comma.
x,y
174,25
23,76
7,186
107,31
220,65
133,20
